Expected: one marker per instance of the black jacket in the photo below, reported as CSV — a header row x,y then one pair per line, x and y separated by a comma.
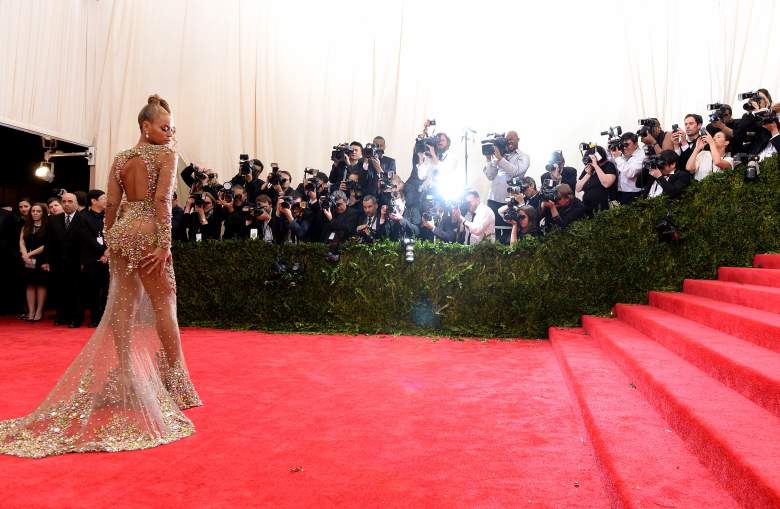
x,y
178,226
566,215
91,230
66,244
343,226
676,184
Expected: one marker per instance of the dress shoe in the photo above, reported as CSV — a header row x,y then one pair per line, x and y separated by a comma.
x,y
94,324
60,322
74,325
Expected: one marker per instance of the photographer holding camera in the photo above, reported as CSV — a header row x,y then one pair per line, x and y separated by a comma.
x,y
597,181
387,163
248,176
684,142
669,181
479,224
721,119
258,220
437,224
563,209
435,162
653,136
628,161
704,162
370,227
205,222
340,220
557,171
199,179
757,130
504,163
232,204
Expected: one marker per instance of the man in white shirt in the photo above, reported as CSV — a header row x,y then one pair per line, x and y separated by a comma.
x,y
702,162
773,147
628,160
501,168
480,221
437,166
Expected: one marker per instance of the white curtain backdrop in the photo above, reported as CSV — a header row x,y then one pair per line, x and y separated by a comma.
x,y
286,80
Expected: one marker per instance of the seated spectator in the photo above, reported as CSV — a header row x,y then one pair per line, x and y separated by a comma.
x,y
563,211
704,162
669,181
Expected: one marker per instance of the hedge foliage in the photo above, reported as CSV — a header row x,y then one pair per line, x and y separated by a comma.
x,y
487,290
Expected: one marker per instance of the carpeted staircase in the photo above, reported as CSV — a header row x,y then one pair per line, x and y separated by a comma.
x,y
681,398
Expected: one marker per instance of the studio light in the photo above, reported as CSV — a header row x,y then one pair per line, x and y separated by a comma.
x,y
45,171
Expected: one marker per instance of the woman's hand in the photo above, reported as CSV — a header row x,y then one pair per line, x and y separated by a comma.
x,y
156,260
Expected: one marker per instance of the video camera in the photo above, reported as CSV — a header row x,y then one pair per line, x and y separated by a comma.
x,y
748,97
718,111
341,152
422,143
496,140
613,135
647,124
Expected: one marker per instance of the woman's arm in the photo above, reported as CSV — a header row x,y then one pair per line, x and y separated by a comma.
x,y
162,197
113,198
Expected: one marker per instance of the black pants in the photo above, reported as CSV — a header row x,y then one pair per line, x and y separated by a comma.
x,y
625,198
503,235
95,277
67,282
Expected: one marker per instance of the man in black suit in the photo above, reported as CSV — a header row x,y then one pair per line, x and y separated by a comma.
x,y
387,163
65,261
178,224
9,257
94,262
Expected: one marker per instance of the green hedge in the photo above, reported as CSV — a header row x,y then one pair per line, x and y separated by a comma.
x,y
488,290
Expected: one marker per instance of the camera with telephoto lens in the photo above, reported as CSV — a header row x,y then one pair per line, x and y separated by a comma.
x,y
748,97
512,210
244,167
310,171
327,202
370,150
613,135
341,151
286,202
517,185
197,199
652,162
648,124
496,140
197,172
765,116
422,143
752,170
588,149
274,177
718,111
548,192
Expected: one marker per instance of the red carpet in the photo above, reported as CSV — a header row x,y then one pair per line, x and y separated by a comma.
x,y
681,399
671,405
372,422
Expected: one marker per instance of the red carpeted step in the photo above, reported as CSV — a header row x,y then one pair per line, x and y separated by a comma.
x,y
754,325
749,369
644,463
752,296
767,261
737,439
749,276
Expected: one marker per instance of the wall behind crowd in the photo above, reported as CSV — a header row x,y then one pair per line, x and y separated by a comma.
x,y
286,80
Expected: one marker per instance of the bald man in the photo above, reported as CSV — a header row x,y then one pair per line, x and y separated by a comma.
x,y
65,243
499,170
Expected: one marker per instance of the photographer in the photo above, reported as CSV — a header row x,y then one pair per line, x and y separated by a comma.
x,y
438,225
530,195
204,221
563,210
199,179
94,262
249,178
370,170
756,132
370,227
684,141
258,220
178,223
723,121
231,205
654,137
597,182
291,220
628,161
479,224
340,220
501,167
436,164
669,181
524,224
704,162
387,163
557,171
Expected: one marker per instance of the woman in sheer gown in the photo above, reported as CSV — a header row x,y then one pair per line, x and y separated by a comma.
x,y
128,386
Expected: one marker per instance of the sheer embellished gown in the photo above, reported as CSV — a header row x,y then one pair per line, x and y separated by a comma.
x,y
128,386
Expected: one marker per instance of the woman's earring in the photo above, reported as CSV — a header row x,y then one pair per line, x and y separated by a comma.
x,y
146,133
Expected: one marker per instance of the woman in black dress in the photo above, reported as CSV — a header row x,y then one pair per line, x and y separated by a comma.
x,y
32,244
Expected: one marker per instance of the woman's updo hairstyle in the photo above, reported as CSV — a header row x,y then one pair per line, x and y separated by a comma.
x,y
154,105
